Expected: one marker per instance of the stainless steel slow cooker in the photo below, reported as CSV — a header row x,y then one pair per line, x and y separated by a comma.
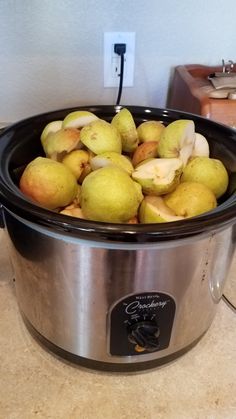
x,y
111,296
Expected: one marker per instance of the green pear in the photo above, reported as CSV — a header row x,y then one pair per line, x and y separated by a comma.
x,y
158,176
177,140
78,119
76,161
100,136
111,158
154,210
110,195
125,124
210,172
190,199
57,144
53,126
49,183
144,151
150,131
201,146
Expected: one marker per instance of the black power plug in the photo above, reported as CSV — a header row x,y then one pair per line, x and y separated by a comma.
x,y
120,49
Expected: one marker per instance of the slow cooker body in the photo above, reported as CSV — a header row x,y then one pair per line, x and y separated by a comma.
x,y
102,305
113,297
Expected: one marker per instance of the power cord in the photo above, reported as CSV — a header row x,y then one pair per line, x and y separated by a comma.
x,y
228,302
120,49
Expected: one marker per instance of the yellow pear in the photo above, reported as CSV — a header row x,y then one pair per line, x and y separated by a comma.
x,y
57,144
53,126
190,199
78,119
110,195
76,161
154,210
73,212
111,158
144,151
150,131
158,176
49,183
210,172
100,136
177,140
201,146
125,124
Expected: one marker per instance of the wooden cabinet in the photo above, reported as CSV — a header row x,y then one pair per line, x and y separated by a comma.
x,y
191,91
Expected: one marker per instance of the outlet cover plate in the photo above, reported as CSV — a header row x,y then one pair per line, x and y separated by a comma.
x,y
112,60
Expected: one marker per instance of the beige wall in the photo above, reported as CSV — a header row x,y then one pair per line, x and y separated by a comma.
x,y
51,51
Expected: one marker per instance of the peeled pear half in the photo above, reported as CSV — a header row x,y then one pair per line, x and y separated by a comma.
x,y
154,210
125,124
177,140
112,159
78,119
158,176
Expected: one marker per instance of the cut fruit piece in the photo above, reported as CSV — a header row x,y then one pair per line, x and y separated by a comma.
x,y
86,170
100,136
154,210
177,140
144,151
190,199
133,220
201,146
78,119
73,212
150,131
76,161
57,144
53,126
158,176
125,124
111,158
76,200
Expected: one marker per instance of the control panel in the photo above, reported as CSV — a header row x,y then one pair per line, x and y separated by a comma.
x,y
141,323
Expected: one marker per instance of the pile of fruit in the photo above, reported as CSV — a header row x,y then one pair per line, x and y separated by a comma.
x,y
118,172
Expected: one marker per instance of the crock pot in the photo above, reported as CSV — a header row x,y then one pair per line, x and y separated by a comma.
x,y
119,297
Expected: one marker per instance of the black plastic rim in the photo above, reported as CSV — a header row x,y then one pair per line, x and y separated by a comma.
x,y
27,131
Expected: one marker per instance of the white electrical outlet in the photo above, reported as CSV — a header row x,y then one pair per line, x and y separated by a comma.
x,y
112,60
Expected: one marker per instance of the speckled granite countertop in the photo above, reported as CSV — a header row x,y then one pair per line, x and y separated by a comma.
x,y
36,384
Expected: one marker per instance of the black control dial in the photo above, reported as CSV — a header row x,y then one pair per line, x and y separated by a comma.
x,y
145,335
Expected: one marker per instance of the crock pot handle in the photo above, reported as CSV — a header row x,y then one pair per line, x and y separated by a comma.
x,y
2,225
